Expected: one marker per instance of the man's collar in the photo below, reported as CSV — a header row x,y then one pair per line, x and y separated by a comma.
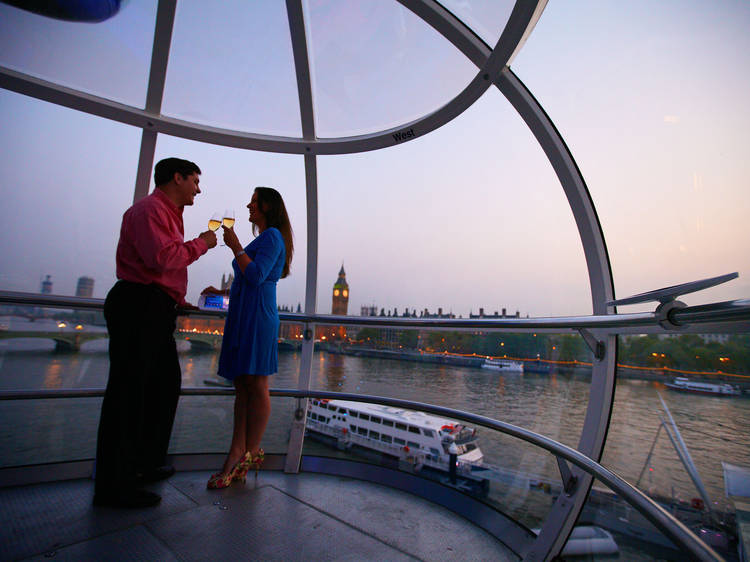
x,y
164,197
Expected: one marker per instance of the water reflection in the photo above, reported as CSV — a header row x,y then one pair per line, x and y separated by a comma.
x,y
53,375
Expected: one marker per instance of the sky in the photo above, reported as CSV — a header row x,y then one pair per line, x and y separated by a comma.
x,y
649,97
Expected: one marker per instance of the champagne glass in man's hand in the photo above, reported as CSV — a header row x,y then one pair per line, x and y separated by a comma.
x,y
214,222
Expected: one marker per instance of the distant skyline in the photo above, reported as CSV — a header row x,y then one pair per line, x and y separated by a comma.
x,y
49,281
649,98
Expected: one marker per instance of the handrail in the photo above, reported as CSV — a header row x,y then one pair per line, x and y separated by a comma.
x,y
662,520
728,311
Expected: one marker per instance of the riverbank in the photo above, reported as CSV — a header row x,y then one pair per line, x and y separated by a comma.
x,y
539,366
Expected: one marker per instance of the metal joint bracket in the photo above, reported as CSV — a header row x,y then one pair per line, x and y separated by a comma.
x,y
299,412
665,314
596,346
569,481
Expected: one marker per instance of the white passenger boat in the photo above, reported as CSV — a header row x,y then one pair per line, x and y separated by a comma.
x,y
420,440
717,389
504,365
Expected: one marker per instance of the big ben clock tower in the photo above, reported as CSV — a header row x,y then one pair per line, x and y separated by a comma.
x,y
340,302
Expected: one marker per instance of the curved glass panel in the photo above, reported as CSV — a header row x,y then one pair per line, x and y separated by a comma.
x,y
679,408
111,59
65,178
486,18
609,527
52,349
375,65
661,146
536,381
227,181
204,425
231,66
471,216
56,430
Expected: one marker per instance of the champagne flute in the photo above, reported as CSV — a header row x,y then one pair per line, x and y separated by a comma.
x,y
228,220
214,222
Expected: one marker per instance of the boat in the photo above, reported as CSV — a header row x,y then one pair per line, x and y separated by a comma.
x,y
537,366
504,365
415,440
716,389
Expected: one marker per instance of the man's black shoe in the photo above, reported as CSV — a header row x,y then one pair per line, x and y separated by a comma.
x,y
155,475
129,498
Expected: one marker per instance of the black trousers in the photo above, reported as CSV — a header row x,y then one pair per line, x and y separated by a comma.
x,y
143,388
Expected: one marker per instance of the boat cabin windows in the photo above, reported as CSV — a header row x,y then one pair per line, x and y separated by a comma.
x,y
386,438
428,432
364,416
375,419
388,423
435,453
413,429
412,445
353,428
362,431
399,441
374,435
401,426
342,411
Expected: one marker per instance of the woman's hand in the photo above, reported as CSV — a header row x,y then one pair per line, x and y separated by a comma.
x,y
231,240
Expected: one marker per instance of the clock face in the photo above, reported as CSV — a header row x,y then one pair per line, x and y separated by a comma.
x,y
346,293
335,292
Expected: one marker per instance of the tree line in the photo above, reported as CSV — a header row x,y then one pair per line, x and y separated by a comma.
x,y
687,352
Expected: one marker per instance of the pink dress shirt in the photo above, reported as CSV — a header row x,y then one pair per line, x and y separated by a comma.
x,y
152,247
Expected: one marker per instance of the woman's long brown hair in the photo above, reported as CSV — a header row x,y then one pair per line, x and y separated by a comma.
x,y
272,206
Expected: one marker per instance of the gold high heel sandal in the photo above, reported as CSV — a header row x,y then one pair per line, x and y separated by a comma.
x,y
250,462
224,479
257,461
246,465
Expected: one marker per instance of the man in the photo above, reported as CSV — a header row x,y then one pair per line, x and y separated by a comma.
x,y
144,377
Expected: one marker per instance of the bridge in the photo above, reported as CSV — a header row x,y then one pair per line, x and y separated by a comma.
x,y
69,340
65,341
211,340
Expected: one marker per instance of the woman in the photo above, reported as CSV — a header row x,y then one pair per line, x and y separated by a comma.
x,y
249,350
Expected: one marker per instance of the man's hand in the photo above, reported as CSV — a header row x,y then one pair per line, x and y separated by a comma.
x,y
209,238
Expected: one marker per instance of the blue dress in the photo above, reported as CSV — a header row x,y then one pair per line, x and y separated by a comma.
x,y
251,330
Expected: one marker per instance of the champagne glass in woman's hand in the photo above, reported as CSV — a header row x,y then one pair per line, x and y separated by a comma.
x,y
228,220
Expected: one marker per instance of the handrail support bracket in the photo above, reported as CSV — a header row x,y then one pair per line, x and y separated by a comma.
x,y
597,347
568,479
